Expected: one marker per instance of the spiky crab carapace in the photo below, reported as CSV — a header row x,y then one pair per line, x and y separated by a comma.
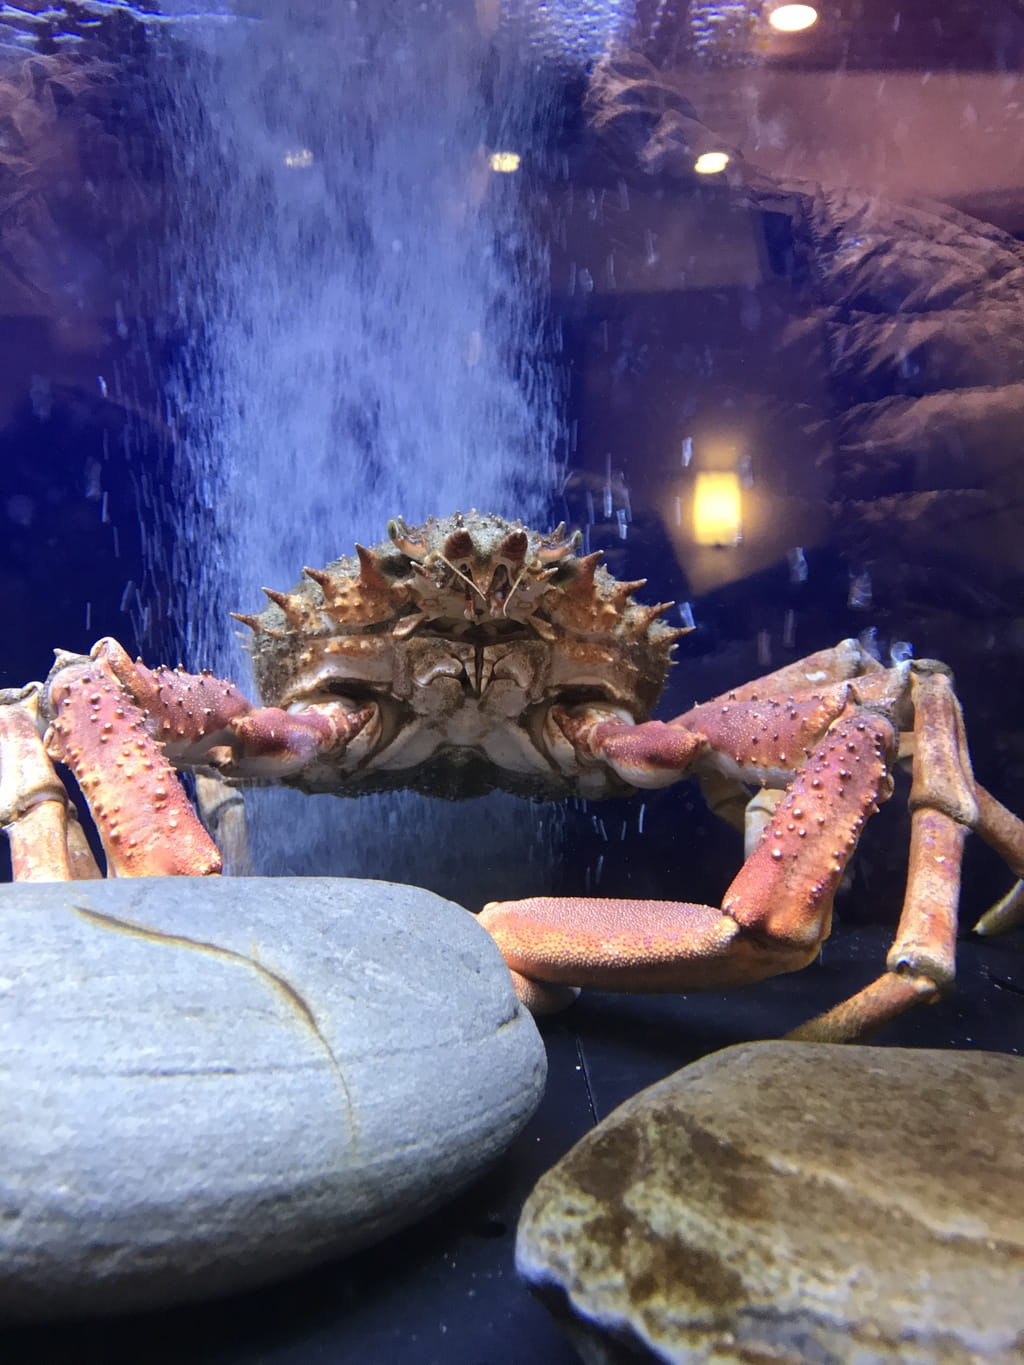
x,y
473,653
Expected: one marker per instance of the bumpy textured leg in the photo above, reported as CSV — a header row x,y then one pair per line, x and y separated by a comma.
x,y
727,797
651,755
842,725
47,842
839,663
118,726
200,719
775,913
145,822
922,961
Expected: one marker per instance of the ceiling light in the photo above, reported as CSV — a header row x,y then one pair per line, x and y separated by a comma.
x,y
506,162
793,18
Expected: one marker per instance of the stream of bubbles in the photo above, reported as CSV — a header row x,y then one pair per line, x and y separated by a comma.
x,y
366,300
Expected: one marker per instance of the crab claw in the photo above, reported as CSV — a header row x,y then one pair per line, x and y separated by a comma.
x,y
275,743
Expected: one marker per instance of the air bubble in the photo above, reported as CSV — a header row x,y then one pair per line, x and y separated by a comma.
x,y
859,597
797,561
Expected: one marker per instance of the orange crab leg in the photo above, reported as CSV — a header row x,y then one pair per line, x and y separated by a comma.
x,y
839,663
759,740
774,915
81,858
771,737
772,734
814,675
197,717
921,963
778,908
785,888
1004,832
145,822
1001,830
38,844
117,725
186,712
652,754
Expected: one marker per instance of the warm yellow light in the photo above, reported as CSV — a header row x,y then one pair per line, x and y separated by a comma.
x,y
793,18
506,162
710,163
716,509
299,160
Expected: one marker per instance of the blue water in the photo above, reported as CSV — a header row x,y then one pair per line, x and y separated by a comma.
x,y
372,342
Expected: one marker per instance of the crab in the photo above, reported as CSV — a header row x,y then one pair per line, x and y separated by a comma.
x,y
473,653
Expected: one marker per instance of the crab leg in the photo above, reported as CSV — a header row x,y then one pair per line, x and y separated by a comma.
x,y
117,725
200,718
1002,831
1006,914
222,809
761,741
840,663
726,796
922,961
80,856
945,801
33,803
774,915
145,822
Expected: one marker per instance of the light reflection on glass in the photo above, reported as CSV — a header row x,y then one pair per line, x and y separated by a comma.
x,y
716,509
711,163
793,18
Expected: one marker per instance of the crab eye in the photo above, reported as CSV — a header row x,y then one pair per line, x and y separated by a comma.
x,y
394,565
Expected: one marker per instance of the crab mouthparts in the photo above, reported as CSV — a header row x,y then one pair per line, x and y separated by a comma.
x,y
476,631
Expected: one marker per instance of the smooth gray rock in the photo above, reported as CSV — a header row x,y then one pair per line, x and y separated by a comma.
x,y
209,1083
794,1202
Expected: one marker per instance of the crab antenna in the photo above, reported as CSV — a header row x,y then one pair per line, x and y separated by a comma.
x,y
508,595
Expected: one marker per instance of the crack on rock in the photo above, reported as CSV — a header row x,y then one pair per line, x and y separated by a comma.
x,y
278,983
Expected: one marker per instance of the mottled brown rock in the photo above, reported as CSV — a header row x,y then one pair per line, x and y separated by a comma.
x,y
791,1202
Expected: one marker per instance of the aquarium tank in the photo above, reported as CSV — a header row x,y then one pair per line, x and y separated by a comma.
x,y
734,289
